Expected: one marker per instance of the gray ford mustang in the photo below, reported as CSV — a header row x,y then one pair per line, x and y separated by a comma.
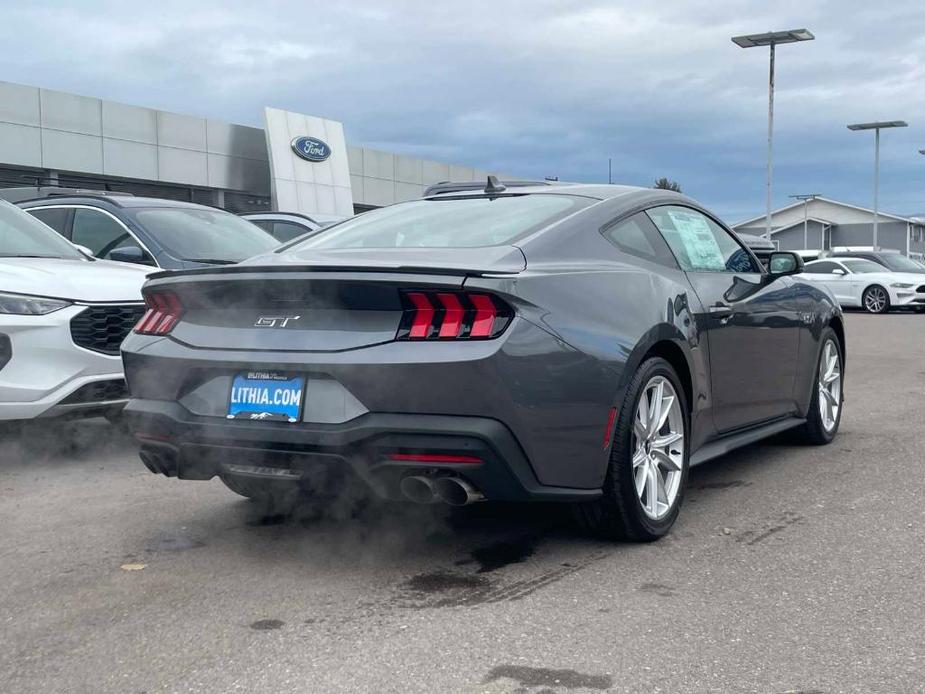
x,y
513,342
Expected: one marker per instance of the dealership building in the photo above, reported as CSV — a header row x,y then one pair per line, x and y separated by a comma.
x,y
825,224
297,163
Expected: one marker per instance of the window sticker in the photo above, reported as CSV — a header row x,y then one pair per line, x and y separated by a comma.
x,y
702,249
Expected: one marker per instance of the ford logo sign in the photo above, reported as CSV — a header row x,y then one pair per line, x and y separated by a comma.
x,y
311,148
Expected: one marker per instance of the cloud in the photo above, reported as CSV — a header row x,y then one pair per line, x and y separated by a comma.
x,y
529,88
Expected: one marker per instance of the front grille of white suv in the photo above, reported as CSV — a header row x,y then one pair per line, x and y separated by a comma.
x,y
102,328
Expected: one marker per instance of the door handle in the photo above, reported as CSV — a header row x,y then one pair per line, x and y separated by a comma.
x,y
720,311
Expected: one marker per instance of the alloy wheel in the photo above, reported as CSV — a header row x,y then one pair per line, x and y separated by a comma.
x,y
829,385
658,447
875,299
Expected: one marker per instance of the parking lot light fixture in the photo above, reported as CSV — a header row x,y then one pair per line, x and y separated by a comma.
x,y
771,39
877,126
806,197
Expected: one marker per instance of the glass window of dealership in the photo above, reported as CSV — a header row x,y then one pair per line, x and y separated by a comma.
x,y
55,138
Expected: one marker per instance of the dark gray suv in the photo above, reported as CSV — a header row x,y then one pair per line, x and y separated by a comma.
x,y
151,231
582,344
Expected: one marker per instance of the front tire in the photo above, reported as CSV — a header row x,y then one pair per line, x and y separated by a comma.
x,y
876,299
825,409
647,472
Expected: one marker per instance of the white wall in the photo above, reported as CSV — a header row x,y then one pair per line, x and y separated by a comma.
x,y
298,185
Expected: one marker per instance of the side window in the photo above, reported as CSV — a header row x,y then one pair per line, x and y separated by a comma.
x,y
637,236
100,233
823,267
265,224
55,217
286,231
699,243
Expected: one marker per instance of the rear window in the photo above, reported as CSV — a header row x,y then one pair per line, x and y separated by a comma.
x,y
449,222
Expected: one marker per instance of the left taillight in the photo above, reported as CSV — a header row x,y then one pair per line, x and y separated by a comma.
x,y
452,315
164,311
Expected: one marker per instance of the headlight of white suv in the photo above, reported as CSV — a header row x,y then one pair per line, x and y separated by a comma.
x,y
900,285
23,305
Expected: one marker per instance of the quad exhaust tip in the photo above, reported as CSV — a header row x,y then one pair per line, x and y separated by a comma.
x,y
453,491
456,491
418,489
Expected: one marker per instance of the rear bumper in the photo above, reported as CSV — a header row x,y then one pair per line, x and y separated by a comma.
x,y
177,443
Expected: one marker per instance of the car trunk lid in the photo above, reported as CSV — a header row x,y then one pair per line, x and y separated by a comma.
x,y
306,309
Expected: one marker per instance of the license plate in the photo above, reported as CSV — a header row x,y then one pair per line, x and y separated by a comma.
x,y
266,396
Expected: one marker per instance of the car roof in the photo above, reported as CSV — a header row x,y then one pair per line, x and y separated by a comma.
x,y
619,199
114,201
598,191
840,258
287,216
858,254
757,242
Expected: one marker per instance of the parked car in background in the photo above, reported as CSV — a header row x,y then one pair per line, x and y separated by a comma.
x,y
286,226
859,282
63,316
809,254
760,246
892,260
151,231
571,343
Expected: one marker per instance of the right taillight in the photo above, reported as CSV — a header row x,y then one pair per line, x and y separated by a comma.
x,y
164,312
439,315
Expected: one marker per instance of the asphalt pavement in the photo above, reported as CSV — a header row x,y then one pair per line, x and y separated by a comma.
x,y
791,569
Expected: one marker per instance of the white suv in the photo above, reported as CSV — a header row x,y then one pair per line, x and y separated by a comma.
x,y
63,316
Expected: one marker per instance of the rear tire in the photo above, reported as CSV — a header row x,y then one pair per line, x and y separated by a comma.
x,y
623,513
823,420
876,299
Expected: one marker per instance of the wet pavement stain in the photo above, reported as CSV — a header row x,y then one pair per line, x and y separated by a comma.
x,y
173,544
441,582
784,521
547,677
447,589
659,589
501,554
267,624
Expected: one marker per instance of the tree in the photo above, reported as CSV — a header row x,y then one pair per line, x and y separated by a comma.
x,y
666,184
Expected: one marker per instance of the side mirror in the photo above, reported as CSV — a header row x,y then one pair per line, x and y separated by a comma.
x,y
782,263
129,254
838,271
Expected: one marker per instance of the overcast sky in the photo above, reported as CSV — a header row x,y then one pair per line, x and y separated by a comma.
x,y
531,88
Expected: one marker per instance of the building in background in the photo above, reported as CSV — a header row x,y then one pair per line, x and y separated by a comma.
x,y
55,138
831,224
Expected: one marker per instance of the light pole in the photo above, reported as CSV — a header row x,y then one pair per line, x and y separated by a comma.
x,y
806,198
771,39
877,127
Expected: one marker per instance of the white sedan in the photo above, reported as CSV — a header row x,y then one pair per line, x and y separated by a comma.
x,y
63,316
858,282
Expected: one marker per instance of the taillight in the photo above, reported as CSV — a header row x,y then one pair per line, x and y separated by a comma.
x,y
439,315
164,312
